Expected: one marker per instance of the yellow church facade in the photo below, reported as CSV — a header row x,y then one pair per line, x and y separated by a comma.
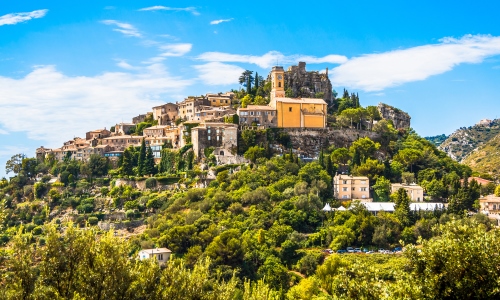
x,y
295,112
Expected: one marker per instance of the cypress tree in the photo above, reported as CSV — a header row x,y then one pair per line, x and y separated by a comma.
x,y
149,163
142,158
127,163
321,158
256,80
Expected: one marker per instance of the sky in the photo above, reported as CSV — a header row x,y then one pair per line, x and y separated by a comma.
x,y
67,67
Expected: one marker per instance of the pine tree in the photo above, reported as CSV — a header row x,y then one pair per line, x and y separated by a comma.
x,y
149,163
142,158
345,94
256,80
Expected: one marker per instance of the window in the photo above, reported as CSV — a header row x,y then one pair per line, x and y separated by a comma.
x,y
217,138
209,138
345,197
344,189
160,256
363,181
279,84
344,181
290,109
362,189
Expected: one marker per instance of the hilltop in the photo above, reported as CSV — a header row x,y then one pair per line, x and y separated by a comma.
x,y
465,140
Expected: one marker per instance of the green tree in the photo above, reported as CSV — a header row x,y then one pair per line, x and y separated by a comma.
x,y
14,164
29,167
141,162
382,188
127,162
365,147
402,207
254,153
149,163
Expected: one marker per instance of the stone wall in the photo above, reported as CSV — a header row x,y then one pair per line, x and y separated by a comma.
x,y
310,141
399,118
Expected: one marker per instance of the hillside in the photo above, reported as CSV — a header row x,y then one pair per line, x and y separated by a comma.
x,y
486,158
437,140
464,140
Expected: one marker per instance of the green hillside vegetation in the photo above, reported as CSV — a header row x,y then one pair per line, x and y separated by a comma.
x,y
257,228
437,139
486,158
463,141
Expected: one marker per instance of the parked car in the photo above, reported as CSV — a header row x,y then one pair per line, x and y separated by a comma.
x,y
350,249
357,250
381,250
398,249
341,251
329,251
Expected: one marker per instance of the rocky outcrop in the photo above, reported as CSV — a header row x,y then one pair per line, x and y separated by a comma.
x,y
312,84
309,141
399,118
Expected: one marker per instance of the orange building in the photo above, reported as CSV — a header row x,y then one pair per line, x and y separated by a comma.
x,y
295,112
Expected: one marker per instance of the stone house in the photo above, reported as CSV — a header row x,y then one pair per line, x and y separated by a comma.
x,y
165,114
189,106
490,203
220,99
210,113
259,115
121,142
219,135
97,134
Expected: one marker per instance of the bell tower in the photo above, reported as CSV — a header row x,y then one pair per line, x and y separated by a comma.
x,y
278,83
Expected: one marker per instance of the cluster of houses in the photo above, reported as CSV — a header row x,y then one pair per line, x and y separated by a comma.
x,y
202,121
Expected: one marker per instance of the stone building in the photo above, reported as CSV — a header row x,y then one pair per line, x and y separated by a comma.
x,y
97,134
222,136
220,99
165,114
307,84
121,142
212,114
189,106
123,128
257,115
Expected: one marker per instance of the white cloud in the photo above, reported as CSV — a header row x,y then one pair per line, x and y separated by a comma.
x,y
159,7
14,18
216,73
125,28
125,65
375,72
175,49
3,131
215,22
269,59
57,107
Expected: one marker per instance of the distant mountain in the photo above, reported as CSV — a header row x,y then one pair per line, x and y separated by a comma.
x,y
437,139
486,158
466,139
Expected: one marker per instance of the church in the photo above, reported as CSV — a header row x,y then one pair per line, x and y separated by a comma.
x,y
295,112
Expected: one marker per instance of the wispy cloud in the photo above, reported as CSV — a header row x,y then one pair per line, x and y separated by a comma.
x,y
215,22
14,18
170,50
3,131
160,7
269,59
375,72
125,28
216,73
61,106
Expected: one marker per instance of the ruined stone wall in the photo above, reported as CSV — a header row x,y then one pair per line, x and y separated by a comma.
x,y
306,84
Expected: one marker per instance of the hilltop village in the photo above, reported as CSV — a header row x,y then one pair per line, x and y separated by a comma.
x,y
283,188
217,120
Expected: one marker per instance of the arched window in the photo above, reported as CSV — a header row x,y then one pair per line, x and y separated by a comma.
x,y
279,84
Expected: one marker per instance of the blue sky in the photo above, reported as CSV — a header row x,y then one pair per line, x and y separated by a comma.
x,y
67,67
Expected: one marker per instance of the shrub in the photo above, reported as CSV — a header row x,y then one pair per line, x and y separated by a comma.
x,y
93,220
151,183
37,230
130,214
